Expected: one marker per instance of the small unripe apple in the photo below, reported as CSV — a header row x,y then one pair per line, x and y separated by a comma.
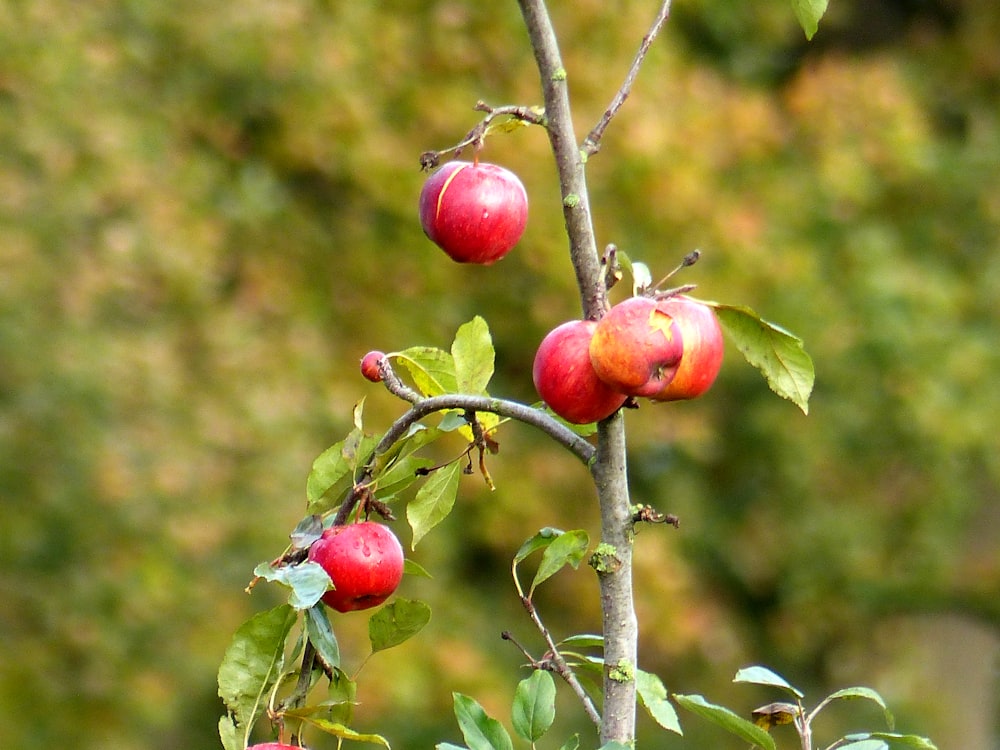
x,y
703,348
565,378
364,561
369,366
637,347
474,212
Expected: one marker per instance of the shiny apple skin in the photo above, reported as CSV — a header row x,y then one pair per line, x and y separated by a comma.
x,y
475,212
565,379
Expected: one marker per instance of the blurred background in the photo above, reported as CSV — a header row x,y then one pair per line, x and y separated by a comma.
x,y
208,215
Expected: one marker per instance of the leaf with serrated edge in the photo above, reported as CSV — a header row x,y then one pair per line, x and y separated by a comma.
x,y
473,355
777,353
534,707
653,697
480,730
252,663
433,501
396,623
566,549
726,719
763,676
809,12
432,369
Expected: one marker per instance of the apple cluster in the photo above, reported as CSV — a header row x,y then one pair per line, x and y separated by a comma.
x,y
665,349
662,349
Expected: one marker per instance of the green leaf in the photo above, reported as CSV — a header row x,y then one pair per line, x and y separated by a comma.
x,y
307,580
341,696
321,635
905,740
867,744
251,666
653,697
307,531
778,354
764,676
412,568
573,743
397,622
566,549
229,733
858,692
473,355
481,731
534,707
434,501
432,369
400,475
742,728
332,473
809,12
339,730
416,437
542,539
583,640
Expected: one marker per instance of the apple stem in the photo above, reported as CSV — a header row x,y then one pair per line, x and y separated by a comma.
x,y
688,260
477,136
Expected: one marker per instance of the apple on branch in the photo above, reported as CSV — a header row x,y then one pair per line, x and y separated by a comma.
x,y
565,378
475,212
364,561
637,347
703,348
370,366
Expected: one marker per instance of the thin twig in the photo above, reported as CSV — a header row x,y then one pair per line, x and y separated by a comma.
x,y
477,136
423,406
592,143
559,665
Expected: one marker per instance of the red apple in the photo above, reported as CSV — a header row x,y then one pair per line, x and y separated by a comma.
x,y
474,212
274,746
369,366
703,347
364,561
565,378
636,347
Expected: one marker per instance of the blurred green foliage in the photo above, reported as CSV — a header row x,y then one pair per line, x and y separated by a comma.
x,y
208,214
